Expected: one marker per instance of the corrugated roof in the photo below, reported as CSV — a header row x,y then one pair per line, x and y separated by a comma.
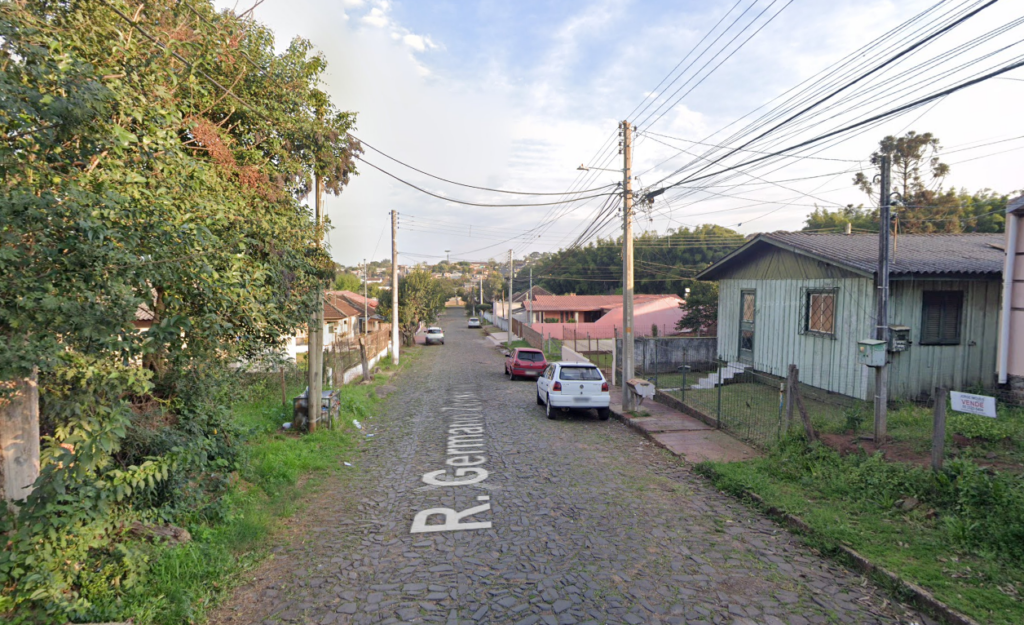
x,y
587,302
928,254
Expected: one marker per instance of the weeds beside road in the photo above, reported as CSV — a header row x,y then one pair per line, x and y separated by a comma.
x,y
958,533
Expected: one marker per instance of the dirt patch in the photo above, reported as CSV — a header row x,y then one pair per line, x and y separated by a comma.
x,y
847,444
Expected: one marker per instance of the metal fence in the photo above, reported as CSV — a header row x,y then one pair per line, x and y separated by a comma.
x,y
753,405
758,407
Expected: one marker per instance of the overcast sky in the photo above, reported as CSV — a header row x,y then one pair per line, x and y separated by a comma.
x,y
516,95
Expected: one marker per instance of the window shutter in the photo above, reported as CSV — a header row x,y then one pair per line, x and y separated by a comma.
x,y
940,317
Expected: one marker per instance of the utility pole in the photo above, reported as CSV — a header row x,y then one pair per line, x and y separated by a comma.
x,y
508,335
628,363
366,304
394,287
315,347
882,298
531,296
481,291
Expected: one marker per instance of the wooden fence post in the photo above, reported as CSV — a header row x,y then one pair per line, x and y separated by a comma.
x,y
806,418
791,380
363,359
939,429
284,389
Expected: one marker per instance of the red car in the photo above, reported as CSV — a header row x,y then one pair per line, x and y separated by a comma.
x,y
525,362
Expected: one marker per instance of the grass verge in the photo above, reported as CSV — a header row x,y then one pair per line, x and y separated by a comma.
x,y
278,472
958,533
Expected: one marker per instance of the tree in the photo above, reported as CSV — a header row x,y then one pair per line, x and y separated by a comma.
x,y
915,165
128,178
346,281
922,204
663,263
420,299
494,286
858,217
700,310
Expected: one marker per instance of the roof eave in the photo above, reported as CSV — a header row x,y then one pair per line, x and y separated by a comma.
x,y
709,272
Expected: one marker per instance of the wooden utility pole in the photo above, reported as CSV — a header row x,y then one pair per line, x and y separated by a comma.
x,y
366,303
508,335
882,299
315,352
628,362
394,287
19,438
530,320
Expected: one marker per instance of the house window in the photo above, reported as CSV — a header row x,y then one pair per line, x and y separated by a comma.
x,y
821,312
940,317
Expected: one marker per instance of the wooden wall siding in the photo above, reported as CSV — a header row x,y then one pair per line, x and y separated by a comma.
x,y
772,263
824,362
915,373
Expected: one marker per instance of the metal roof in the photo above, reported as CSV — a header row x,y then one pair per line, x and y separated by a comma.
x,y
910,254
584,303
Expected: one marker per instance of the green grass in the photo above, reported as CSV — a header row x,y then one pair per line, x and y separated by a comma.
x,y
278,472
963,543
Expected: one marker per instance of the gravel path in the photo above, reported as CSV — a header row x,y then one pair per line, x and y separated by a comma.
x,y
589,524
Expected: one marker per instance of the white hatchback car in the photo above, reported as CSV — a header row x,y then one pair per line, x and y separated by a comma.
x,y
578,385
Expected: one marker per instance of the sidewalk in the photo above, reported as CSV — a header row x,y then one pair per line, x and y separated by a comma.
x,y
681,434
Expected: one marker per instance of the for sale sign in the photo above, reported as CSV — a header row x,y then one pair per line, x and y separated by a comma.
x,y
973,404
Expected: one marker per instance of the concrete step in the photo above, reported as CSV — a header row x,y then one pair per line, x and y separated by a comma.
x,y
730,371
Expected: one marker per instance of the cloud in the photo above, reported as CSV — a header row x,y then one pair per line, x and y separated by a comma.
x,y
376,17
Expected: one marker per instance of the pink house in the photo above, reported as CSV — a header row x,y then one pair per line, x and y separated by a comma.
x,y
1011,331
600,316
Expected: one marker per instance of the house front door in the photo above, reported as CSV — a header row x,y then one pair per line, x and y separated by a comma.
x,y
747,308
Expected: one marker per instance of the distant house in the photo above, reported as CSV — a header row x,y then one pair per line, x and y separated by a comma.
x,y
600,316
371,323
582,308
807,299
1011,328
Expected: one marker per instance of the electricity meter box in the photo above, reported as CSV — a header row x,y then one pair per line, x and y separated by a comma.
x,y
871,352
899,338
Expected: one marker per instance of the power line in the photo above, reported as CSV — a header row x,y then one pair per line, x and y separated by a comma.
x,y
447,199
470,186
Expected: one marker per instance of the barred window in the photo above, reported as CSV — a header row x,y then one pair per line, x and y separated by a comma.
x,y
940,317
821,312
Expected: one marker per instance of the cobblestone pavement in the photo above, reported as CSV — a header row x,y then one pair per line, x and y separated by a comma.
x,y
590,524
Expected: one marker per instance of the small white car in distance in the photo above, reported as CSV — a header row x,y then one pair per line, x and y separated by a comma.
x,y
435,336
474,322
578,385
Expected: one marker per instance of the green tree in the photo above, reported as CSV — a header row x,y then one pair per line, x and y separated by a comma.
x,y
700,310
345,281
129,177
858,217
421,299
664,263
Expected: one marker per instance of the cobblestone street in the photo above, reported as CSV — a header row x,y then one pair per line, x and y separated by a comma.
x,y
589,524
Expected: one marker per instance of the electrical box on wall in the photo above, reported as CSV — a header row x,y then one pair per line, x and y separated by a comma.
x,y
899,338
871,352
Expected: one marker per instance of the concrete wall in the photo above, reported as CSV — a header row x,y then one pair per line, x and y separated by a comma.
x,y
356,372
19,439
569,355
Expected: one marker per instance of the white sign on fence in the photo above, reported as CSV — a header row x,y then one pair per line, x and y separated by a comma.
x,y
974,404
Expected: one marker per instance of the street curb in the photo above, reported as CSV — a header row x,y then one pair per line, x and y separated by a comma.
x,y
628,422
919,596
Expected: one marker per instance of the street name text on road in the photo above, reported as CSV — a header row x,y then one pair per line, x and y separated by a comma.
x,y
465,453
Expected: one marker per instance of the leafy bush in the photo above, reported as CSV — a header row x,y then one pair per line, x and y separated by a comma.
x,y
983,510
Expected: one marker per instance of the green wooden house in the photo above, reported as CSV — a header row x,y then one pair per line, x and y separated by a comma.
x,y
807,299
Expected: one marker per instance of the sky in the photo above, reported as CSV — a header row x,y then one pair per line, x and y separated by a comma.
x,y
517,95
